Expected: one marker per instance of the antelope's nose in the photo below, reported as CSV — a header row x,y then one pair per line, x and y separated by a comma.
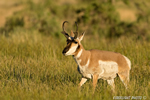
x,y
63,52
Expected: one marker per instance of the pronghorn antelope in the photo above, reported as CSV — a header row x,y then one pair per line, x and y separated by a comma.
x,y
96,64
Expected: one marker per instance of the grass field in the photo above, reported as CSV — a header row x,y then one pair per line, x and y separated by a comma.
x,y
32,66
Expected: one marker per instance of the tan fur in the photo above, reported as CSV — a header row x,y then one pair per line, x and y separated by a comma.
x,y
98,64
94,69
95,55
95,78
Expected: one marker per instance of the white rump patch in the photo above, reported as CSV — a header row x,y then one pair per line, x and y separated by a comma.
x,y
109,69
71,50
128,61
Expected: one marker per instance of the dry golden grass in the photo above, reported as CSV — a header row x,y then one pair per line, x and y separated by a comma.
x,y
32,67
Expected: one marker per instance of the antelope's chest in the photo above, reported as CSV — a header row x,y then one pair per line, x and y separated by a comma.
x,y
84,69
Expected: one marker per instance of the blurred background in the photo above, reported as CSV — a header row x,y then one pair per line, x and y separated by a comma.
x,y
100,18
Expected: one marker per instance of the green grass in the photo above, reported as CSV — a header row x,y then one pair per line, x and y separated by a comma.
x,y
33,67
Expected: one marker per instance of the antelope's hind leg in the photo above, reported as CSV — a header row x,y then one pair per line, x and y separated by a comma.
x,y
124,78
111,83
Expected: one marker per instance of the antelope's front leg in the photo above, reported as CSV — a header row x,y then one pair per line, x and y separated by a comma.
x,y
83,80
95,78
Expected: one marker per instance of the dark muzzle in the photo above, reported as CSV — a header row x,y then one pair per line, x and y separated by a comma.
x,y
65,50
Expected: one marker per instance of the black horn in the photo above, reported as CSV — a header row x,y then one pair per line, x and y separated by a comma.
x,y
76,33
64,32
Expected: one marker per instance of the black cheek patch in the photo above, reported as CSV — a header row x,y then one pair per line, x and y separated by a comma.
x,y
66,48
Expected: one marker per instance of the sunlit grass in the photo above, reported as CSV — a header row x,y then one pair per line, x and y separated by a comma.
x,y
33,67
31,62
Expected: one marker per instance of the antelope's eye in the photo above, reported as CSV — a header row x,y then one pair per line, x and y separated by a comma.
x,y
75,42
68,41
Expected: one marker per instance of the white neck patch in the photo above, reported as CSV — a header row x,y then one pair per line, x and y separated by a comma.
x,y
79,53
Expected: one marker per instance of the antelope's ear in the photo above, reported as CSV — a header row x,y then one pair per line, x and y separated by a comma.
x,y
72,34
81,37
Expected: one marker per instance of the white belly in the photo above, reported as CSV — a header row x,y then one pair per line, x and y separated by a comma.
x,y
109,69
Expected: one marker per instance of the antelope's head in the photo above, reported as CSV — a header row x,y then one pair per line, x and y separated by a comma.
x,y
73,41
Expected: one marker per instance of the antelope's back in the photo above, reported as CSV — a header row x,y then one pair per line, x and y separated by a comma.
x,y
108,56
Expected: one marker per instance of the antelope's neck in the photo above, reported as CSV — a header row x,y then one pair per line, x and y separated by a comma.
x,y
82,56
79,53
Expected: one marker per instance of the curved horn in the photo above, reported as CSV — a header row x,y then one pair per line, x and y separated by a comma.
x,y
76,33
63,25
64,32
76,26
